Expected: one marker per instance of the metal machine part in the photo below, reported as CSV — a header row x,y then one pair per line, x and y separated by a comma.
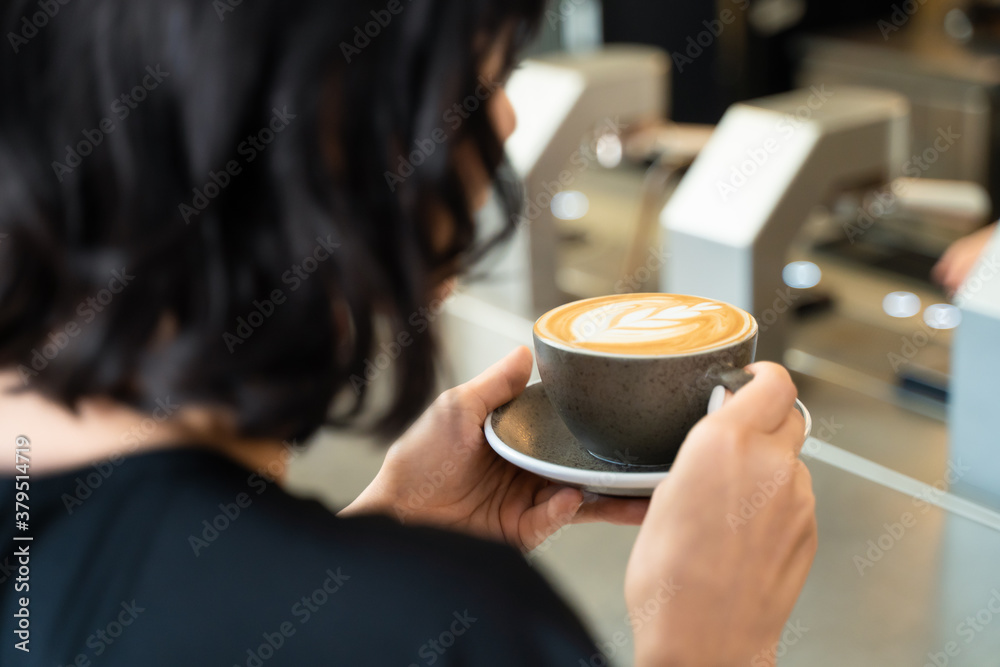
x,y
751,197
732,219
560,101
975,378
950,87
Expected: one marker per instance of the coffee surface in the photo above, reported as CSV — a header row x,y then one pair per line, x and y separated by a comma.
x,y
646,324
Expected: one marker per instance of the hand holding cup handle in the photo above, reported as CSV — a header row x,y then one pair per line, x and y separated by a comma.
x,y
732,379
748,569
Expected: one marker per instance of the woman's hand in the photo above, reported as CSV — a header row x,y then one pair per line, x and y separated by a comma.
x,y
443,472
953,267
732,532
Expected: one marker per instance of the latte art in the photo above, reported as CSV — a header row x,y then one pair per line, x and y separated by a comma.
x,y
646,324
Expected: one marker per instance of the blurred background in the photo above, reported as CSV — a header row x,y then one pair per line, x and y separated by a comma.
x,y
811,162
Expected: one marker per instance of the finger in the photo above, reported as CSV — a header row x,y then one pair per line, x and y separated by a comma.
x,y
539,522
550,489
956,272
940,269
965,267
618,511
503,381
944,264
765,401
803,541
954,278
521,490
792,431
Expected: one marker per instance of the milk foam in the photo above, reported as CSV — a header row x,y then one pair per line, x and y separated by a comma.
x,y
644,324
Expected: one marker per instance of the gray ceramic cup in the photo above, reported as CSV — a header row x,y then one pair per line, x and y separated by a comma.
x,y
634,409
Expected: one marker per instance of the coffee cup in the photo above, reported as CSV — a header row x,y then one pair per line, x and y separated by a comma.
x,y
630,374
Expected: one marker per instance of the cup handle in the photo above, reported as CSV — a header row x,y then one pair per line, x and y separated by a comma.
x,y
732,379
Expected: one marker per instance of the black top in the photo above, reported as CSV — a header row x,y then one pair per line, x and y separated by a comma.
x,y
183,557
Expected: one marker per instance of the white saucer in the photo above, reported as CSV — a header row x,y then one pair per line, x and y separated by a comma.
x,y
528,433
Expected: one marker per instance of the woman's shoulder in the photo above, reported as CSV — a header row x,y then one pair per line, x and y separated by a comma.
x,y
220,558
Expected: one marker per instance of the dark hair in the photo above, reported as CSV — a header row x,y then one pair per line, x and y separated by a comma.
x,y
149,233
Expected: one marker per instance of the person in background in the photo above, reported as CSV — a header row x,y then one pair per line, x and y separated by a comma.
x,y
212,215
956,263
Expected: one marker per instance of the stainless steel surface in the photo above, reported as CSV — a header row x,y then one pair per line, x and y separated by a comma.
x,y
894,581
855,344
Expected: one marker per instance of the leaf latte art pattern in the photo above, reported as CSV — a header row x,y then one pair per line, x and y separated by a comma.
x,y
644,324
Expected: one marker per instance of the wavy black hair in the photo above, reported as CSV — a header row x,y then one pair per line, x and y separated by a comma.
x,y
213,201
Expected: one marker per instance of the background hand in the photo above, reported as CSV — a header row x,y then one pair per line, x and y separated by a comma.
x,y
443,472
953,267
737,571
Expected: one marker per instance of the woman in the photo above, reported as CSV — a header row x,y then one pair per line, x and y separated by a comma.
x,y
212,215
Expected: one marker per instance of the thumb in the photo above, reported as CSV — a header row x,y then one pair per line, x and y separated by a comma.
x,y
541,521
503,381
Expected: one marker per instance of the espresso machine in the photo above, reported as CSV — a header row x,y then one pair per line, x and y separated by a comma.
x,y
729,225
571,110
775,165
